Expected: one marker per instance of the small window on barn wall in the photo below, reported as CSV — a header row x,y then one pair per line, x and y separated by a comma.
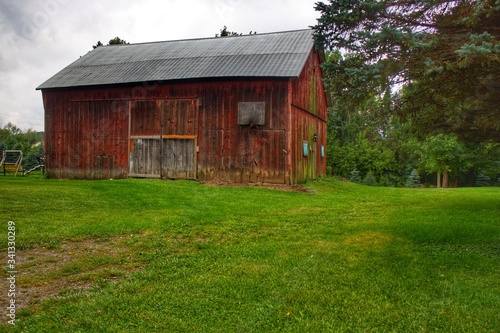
x,y
251,113
305,148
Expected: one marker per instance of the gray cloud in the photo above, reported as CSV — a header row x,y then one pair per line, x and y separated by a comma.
x,y
40,37
28,17
12,15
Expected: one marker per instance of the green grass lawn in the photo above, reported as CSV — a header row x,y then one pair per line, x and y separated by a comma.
x,y
177,256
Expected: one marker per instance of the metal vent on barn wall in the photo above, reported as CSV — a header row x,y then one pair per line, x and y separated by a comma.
x,y
251,114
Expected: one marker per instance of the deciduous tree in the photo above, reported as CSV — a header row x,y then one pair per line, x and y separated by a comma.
x,y
443,154
114,41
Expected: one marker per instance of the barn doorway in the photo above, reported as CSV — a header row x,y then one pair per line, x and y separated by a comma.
x,y
163,143
179,157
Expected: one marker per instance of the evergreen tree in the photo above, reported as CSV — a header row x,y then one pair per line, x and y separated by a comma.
x,y
369,179
413,179
354,176
226,33
445,52
482,180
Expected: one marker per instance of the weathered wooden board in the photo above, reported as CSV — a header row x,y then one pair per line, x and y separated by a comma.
x,y
145,118
179,159
169,158
145,158
179,117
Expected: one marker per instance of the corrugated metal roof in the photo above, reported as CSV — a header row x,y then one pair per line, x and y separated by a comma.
x,y
281,54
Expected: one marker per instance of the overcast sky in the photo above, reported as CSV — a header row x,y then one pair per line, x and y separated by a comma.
x,y
38,38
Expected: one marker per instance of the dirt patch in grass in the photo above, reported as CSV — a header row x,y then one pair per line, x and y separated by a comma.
x,y
280,187
71,267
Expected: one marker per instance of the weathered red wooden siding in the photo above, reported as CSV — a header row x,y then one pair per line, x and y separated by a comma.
x,y
179,117
232,152
90,131
85,139
145,118
308,116
85,125
308,93
305,126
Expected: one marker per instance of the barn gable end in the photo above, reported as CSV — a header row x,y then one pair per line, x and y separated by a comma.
x,y
244,122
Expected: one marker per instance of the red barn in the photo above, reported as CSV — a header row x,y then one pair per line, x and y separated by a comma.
x,y
240,109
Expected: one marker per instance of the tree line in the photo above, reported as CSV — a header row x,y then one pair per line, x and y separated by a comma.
x,y
416,90
371,146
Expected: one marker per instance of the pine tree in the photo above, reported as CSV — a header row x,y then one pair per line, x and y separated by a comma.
x,y
482,180
413,179
354,176
445,53
369,179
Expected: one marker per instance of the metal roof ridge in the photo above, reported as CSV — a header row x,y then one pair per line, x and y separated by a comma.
x,y
206,38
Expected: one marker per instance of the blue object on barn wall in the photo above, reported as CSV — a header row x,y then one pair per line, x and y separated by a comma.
x,y
322,151
305,147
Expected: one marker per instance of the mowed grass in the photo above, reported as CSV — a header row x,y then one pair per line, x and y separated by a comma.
x,y
177,256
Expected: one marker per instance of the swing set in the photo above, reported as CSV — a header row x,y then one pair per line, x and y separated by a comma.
x,y
11,161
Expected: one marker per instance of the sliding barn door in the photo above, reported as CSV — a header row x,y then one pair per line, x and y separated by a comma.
x,y
162,139
145,158
179,158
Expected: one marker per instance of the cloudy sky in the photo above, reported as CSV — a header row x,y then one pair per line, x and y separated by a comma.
x,y
38,38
